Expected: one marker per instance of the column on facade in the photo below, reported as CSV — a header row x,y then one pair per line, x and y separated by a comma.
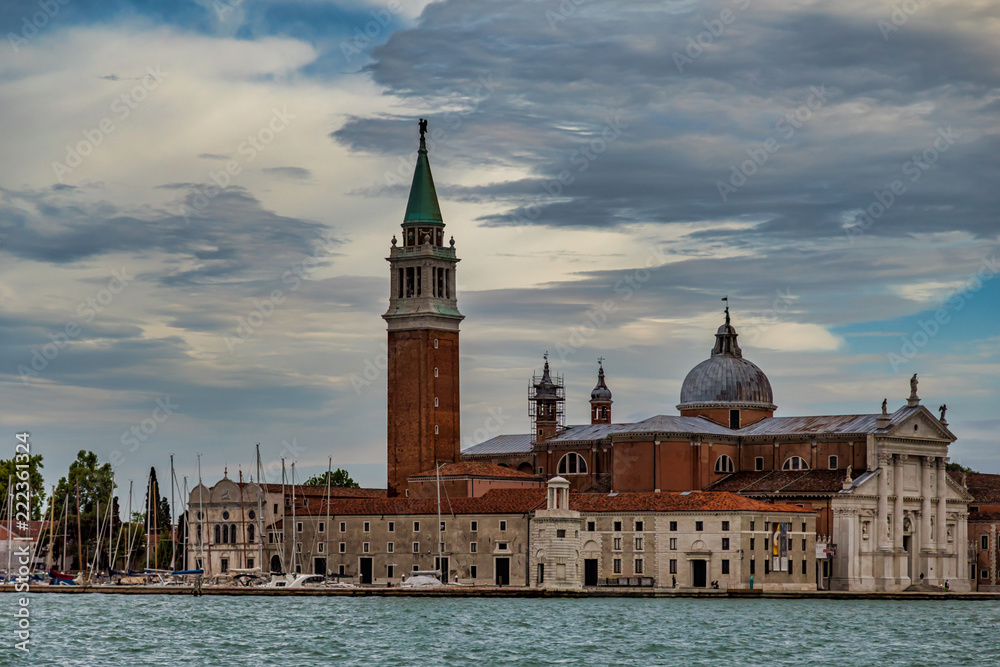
x,y
926,539
883,499
897,511
962,544
942,508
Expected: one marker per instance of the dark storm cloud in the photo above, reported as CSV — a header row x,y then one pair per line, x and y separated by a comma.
x,y
209,241
560,78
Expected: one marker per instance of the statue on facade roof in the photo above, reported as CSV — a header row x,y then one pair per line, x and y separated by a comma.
x,y
913,386
943,409
885,402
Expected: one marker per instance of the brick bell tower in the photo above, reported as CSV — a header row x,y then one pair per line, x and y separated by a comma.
x,y
422,319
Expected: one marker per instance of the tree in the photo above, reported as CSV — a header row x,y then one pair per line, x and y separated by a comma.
x,y
96,484
957,467
156,523
36,485
338,478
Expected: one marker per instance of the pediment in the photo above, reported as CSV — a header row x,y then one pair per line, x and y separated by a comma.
x,y
921,425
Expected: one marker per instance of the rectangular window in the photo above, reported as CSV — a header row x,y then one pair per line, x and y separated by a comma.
x,y
753,566
767,566
638,544
591,526
734,419
753,541
225,563
833,462
473,547
699,526
758,463
392,526
399,283
618,565
673,543
638,566
343,526
343,547
725,544
415,567
416,526
767,526
250,563
319,549
298,526
366,547
501,546
443,527
753,525
541,573
639,526
805,566
503,525
368,526
618,526
803,526
984,574
390,547
389,572
441,548
274,512
673,566
416,547
560,533
984,542
725,525
725,566
617,544
322,527
673,525
298,547
803,544
474,526
341,569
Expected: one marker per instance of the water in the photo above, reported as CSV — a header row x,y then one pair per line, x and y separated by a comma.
x,y
182,630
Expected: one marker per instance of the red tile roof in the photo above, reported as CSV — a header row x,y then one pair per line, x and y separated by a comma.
x,y
984,487
320,491
475,469
521,501
783,481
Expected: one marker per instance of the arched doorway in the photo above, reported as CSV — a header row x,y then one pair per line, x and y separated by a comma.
x,y
275,563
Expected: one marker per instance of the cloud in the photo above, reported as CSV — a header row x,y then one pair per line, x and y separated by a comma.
x,y
292,173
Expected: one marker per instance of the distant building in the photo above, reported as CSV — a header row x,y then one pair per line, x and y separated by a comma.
x,y
984,527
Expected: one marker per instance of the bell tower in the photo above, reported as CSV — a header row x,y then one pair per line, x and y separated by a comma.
x,y
546,403
600,398
422,322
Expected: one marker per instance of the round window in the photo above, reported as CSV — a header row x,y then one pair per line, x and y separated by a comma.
x,y
225,515
200,516
252,515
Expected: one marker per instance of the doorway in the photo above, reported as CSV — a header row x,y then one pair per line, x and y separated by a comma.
x,y
441,565
275,563
366,570
590,572
699,572
319,566
503,572
907,547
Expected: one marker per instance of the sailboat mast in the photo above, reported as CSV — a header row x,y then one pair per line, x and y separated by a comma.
x,y
128,532
295,551
437,473
79,529
52,527
260,512
243,520
284,531
326,526
173,513
201,513
187,526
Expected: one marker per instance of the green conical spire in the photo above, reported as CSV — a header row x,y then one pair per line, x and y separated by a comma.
x,y
422,206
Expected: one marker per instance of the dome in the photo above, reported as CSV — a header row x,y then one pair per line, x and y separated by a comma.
x,y
601,391
726,378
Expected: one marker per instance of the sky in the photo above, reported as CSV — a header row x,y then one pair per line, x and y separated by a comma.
x,y
198,196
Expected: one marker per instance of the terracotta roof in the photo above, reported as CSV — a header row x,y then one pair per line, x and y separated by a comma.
x,y
475,469
984,517
34,528
521,501
783,481
984,487
320,491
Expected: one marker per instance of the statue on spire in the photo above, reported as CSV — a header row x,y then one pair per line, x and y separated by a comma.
x,y
423,128
726,299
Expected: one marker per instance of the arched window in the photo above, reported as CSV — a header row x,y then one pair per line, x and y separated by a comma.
x,y
218,533
795,463
232,534
604,413
225,534
724,464
250,532
572,464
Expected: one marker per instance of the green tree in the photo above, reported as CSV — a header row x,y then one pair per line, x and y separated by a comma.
x,y
957,467
338,478
36,485
96,483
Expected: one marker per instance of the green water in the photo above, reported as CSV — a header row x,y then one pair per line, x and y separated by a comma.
x,y
182,630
